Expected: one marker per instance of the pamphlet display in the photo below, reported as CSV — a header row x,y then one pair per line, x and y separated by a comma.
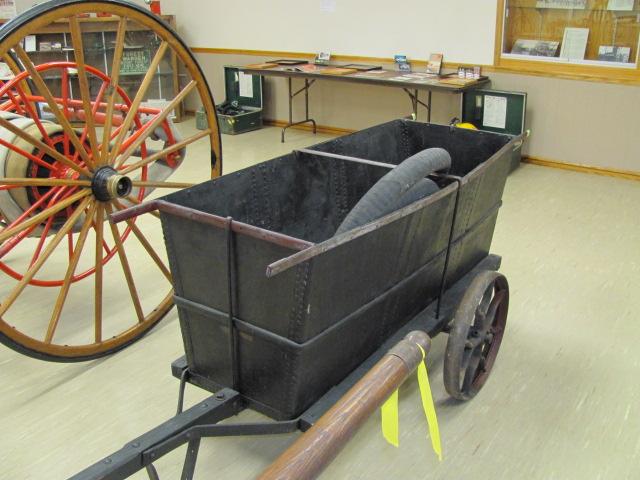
x,y
402,63
322,58
434,66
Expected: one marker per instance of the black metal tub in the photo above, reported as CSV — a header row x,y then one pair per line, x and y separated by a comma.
x,y
275,306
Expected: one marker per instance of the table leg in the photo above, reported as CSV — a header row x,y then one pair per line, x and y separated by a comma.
x,y
290,80
416,102
305,89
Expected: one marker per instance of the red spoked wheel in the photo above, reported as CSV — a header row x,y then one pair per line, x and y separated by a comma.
x,y
77,142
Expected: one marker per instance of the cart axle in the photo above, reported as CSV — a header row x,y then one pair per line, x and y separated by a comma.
x,y
108,185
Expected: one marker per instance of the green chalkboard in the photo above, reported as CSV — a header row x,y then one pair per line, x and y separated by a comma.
x,y
474,103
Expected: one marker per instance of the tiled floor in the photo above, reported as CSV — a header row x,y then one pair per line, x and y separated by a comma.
x,y
563,401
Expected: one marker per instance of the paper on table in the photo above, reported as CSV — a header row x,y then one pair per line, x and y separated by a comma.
x,y
574,43
495,112
246,85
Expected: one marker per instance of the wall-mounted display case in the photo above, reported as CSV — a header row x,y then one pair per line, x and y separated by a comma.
x,y
585,35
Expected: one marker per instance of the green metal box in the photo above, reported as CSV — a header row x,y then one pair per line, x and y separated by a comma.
x,y
242,109
507,115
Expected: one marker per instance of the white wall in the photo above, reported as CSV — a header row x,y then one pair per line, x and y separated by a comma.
x,y
572,121
461,29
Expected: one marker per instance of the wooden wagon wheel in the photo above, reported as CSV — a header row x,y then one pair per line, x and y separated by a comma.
x,y
76,144
475,335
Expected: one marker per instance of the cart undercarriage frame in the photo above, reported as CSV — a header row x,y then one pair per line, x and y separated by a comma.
x,y
201,420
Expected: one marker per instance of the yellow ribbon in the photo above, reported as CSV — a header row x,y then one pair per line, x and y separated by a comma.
x,y
389,410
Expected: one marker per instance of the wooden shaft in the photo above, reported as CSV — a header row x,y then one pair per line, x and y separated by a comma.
x,y
85,94
133,109
39,218
4,123
315,450
155,123
163,153
115,78
55,109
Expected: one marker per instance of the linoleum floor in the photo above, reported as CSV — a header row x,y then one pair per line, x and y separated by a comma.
x,y
563,401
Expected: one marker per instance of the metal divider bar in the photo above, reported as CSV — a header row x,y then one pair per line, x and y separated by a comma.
x,y
210,219
231,290
346,157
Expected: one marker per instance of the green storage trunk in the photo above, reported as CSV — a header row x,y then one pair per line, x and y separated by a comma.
x,y
244,92
515,107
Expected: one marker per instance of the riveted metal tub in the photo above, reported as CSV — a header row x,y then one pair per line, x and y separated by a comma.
x,y
274,305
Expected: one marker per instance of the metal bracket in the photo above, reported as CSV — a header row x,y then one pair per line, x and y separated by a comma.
x,y
140,453
194,434
443,280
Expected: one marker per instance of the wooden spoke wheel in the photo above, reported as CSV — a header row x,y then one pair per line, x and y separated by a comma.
x,y
79,141
475,335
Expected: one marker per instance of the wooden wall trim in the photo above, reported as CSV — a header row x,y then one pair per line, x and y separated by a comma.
x,y
574,167
517,67
497,49
305,55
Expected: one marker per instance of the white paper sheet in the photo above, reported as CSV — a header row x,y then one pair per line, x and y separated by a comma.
x,y
620,5
328,6
5,72
246,85
7,9
574,43
30,43
495,112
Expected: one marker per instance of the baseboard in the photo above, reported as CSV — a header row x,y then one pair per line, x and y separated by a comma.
x,y
609,172
309,127
543,162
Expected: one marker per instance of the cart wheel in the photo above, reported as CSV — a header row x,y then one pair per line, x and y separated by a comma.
x,y
475,335
80,139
